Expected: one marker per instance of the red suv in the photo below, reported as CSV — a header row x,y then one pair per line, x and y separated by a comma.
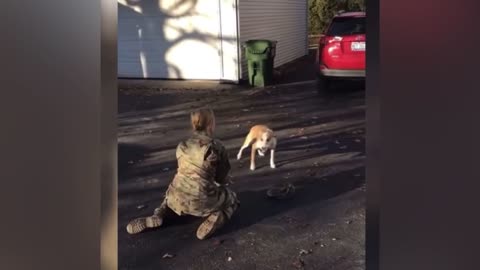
x,y
341,50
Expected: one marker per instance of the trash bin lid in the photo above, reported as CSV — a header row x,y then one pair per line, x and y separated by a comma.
x,y
259,46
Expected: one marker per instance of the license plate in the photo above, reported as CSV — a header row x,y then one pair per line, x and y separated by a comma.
x,y
358,46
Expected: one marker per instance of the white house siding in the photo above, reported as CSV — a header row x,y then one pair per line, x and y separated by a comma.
x,y
282,20
178,39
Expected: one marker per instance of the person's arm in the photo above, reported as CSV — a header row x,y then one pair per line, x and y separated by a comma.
x,y
223,166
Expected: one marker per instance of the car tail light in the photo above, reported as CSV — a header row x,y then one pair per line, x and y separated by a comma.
x,y
327,40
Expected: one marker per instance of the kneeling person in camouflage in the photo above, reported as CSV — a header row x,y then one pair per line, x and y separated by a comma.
x,y
198,188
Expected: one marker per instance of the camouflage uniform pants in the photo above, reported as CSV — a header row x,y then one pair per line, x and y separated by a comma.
x,y
228,208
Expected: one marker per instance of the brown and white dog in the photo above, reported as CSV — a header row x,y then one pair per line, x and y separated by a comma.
x,y
262,140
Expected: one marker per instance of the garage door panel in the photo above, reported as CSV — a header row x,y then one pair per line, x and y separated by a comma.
x,y
130,70
171,43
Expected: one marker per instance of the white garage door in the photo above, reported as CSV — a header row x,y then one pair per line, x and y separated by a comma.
x,y
171,39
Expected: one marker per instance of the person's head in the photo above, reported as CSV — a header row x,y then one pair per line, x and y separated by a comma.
x,y
203,120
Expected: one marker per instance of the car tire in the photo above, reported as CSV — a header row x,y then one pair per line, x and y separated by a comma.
x,y
323,85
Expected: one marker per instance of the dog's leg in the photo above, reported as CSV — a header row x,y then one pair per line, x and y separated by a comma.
x,y
248,141
272,159
252,157
272,153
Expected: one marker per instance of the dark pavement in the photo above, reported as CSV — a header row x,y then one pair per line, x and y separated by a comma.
x,y
321,151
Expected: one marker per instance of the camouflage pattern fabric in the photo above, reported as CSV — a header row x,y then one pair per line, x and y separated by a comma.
x,y
198,188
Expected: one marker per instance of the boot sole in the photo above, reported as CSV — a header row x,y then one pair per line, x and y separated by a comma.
x,y
208,227
136,227
153,222
140,226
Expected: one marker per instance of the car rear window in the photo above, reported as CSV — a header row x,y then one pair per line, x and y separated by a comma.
x,y
344,26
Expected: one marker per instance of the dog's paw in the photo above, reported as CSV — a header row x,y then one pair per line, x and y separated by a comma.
x,y
252,168
272,166
239,157
261,154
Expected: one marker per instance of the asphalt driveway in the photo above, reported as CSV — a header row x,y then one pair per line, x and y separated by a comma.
x,y
321,151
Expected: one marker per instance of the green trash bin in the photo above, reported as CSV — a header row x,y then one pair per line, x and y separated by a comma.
x,y
260,55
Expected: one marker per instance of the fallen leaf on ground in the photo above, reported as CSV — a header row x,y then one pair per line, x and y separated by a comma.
x,y
168,256
305,252
141,206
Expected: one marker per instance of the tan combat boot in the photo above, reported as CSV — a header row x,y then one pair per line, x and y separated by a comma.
x,y
210,225
140,224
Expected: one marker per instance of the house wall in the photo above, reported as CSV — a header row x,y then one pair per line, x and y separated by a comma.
x,y
178,39
282,20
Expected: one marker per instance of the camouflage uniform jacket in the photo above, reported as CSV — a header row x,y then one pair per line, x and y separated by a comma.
x,y
197,188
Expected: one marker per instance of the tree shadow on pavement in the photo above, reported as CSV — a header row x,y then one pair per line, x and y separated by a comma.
x,y
324,123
